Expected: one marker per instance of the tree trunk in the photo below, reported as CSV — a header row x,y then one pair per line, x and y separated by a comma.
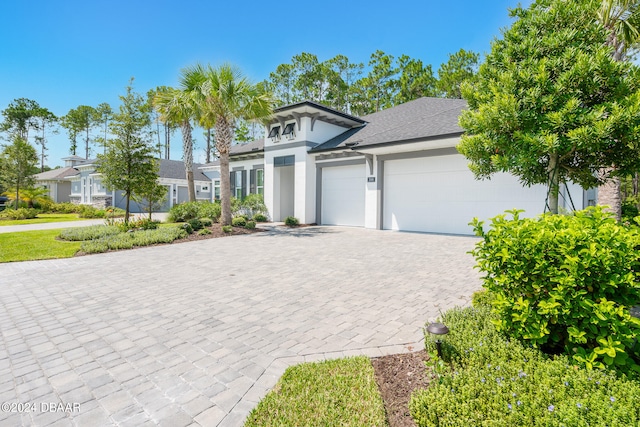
x,y
224,136
126,210
187,156
209,145
86,145
609,193
554,183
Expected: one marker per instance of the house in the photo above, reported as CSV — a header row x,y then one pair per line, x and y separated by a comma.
x,y
79,182
396,169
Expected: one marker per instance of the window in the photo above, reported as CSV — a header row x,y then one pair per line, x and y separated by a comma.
x,y
216,189
238,184
284,161
260,181
288,131
274,133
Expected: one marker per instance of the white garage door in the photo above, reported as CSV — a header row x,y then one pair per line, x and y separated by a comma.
x,y
439,194
343,192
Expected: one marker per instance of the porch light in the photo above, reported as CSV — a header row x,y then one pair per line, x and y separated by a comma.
x,y
288,131
274,133
438,329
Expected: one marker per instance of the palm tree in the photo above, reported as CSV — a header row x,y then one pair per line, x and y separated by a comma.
x,y
621,18
224,96
29,195
177,107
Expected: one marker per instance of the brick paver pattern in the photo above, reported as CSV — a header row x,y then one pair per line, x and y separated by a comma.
x,y
197,333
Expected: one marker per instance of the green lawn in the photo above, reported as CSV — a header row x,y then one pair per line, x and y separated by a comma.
x,y
339,392
43,218
34,245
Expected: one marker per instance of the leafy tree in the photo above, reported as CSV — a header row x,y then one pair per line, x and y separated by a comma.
x,y
550,103
17,166
621,18
103,115
343,74
151,195
224,96
129,164
377,90
461,66
81,119
281,83
20,117
311,82
44,118
415,81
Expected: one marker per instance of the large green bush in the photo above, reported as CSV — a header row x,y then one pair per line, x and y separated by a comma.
x,y
565,283
192,210
19,214
489,380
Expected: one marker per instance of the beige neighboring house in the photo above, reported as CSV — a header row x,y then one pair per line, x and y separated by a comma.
x,y
57,181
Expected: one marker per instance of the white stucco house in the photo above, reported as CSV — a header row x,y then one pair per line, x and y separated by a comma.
x,y
396,169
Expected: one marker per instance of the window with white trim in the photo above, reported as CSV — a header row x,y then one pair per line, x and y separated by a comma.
x,y
260,181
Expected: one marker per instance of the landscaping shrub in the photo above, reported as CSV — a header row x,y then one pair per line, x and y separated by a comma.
x,y
191,210
183,212
250,225
210,210
195,224
565,283
204,232
187,228
19,214
500,382
206,222
94,246
227,228
254,204
260,218
131,239
291,221
239,221
88,233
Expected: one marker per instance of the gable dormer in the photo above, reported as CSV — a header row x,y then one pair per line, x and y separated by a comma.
x,y
307,122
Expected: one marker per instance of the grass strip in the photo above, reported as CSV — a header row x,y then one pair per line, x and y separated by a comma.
x,y
35,245
339,392
43,219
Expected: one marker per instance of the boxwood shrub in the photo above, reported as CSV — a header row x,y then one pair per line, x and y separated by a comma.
x,y
190,210
565,283
239,221
291,221
250,225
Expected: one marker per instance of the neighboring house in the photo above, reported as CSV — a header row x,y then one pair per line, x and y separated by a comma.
x,y
79,182
396,169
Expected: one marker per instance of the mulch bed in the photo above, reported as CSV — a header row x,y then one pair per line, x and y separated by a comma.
x,y
398,375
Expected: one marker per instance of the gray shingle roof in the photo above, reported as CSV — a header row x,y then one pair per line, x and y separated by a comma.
x,y
419,119
59,173
174,169
249,147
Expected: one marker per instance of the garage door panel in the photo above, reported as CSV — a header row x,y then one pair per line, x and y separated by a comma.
x,y
343,195
440,194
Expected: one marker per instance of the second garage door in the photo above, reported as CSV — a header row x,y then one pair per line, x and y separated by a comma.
x,y
343,195
439,194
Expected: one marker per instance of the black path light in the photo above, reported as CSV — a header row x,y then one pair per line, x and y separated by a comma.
x,y
438,329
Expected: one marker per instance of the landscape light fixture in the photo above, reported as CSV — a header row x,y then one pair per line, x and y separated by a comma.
x,y
438,329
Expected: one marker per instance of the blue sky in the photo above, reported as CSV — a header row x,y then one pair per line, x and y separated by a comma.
x,y
65,53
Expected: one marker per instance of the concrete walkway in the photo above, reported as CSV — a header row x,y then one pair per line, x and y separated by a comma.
x,y
197,333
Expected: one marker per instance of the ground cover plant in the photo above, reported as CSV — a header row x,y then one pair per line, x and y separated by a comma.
x,y
566,283
486,378
31,245
329,393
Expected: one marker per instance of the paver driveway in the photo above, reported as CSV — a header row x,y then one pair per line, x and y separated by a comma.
x,y
196,333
